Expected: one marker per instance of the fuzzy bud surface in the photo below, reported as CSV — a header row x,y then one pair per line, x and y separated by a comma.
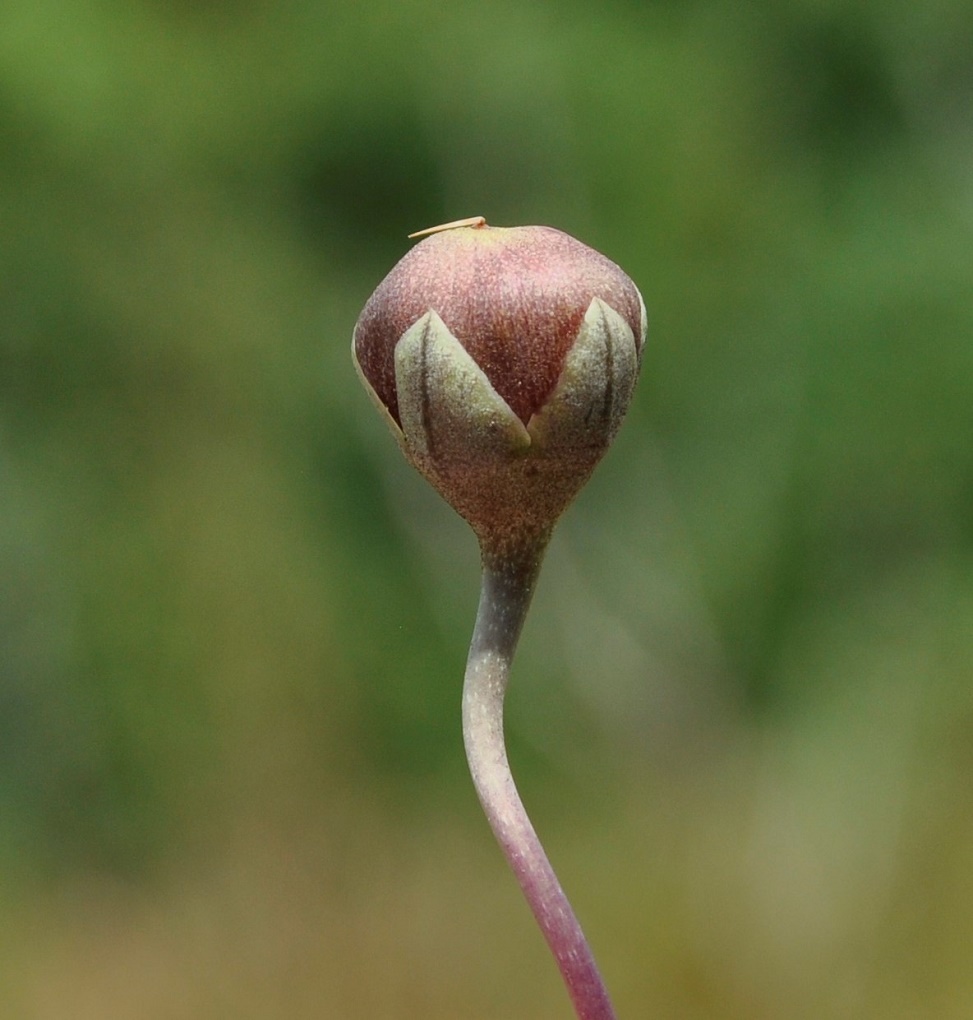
x,y
504,360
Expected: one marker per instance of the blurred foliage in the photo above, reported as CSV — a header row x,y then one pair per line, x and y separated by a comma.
x,y
233,624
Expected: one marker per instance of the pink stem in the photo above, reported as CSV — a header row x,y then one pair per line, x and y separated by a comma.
x,y
504,600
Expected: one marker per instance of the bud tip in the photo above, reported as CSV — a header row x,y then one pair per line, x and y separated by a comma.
x,y
470,221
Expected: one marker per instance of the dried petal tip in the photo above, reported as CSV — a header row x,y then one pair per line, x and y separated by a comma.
x,y
470,221
504,360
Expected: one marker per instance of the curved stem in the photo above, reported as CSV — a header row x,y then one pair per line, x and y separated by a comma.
x,y
504,600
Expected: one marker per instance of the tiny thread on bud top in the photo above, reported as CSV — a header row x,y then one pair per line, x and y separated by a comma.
x,y
470,221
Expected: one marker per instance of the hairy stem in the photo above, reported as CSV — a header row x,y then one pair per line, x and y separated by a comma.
x,y
504,599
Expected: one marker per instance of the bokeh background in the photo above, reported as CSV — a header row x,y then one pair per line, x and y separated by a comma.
x,y
233,623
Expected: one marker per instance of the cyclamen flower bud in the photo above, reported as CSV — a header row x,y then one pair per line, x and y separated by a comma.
x,y
504,360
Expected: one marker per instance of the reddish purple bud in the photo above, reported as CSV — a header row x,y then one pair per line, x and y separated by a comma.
x,y
505,359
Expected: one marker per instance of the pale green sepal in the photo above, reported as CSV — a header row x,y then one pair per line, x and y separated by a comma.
x,y
644,317
595,386
446,403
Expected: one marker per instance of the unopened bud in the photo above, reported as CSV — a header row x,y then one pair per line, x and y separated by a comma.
x,y
504,360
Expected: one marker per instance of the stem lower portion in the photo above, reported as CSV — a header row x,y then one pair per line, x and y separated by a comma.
x,y
504,600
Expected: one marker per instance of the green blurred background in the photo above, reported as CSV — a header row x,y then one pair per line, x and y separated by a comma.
x,y
233,623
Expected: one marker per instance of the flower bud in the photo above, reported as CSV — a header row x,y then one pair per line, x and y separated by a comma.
x,y
504,360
